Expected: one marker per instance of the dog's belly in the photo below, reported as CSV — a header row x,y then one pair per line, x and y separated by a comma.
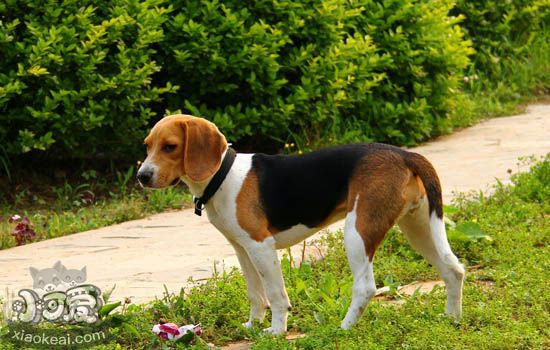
x,y
293,235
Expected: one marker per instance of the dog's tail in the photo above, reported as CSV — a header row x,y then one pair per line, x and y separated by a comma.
x,y
424,169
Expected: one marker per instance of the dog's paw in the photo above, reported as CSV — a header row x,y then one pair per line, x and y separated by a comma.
x,y
346,325
274,330
248,324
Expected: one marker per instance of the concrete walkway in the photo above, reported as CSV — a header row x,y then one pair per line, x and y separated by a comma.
x,y
141,256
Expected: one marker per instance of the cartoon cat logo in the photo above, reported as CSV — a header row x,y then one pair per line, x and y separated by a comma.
x,y
58,278
58,295
47,280
73,277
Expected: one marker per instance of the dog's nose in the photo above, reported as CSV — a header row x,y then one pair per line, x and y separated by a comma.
x,y
144,176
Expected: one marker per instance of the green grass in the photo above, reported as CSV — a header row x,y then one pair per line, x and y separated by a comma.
x,y
506,296
68,208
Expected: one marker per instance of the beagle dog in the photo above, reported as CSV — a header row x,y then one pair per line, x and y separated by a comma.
x,y
262,203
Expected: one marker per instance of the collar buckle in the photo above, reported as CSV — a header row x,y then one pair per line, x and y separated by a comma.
x,y
199,206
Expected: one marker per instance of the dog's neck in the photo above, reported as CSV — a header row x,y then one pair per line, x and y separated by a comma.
x,y
197,188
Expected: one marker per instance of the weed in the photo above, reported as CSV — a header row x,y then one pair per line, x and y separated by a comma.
x,y
73,196
23,231
169,197
123,179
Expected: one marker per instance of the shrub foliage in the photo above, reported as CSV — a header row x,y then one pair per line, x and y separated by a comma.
x,y
502,30
87,78
331,69
76,76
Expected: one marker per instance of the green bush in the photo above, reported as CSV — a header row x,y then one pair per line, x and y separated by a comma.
x,y
508,36
76,76
87,78
318,71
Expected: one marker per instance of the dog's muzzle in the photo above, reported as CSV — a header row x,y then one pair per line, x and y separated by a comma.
x,y
145,176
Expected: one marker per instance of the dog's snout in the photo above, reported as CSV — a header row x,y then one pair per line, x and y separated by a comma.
x,y
144,176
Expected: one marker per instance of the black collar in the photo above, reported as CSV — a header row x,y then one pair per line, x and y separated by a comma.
x,y
216,181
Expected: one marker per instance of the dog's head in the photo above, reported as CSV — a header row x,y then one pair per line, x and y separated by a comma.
x,y
181,146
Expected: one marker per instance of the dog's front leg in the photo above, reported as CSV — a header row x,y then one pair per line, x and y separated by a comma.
x,y
263,256
255,288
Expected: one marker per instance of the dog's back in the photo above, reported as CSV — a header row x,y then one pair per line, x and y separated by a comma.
x,y
307,188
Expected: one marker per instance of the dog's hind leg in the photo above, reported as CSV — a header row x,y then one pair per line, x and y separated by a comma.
x,y
364,285
254,286
426,234
370,216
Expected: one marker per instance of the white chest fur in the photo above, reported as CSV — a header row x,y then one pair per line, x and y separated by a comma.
x,y
222,208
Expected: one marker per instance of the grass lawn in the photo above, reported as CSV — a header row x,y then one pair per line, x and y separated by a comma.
x,y
506,294
63,209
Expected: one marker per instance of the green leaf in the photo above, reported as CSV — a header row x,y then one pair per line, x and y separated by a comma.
x,y
472,231
37,71
106,309
186,338
449,209
130,328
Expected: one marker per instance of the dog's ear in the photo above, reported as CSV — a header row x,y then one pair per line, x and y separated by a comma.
x,y
204,146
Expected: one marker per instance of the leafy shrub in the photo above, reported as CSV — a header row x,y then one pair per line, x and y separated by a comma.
x,y
84,79
504,33
330,70
76,75
534,186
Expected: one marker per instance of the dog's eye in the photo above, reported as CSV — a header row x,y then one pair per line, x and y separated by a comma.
x,y
169,148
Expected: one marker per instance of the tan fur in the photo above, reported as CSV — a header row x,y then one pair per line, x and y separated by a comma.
x,y
420,186
203,149
385,189
250,214
199,146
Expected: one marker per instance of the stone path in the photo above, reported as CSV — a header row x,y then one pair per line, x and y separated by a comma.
x,y
141,256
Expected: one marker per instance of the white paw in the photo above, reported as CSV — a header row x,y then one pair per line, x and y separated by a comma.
x,y
346,324
248,324
274,330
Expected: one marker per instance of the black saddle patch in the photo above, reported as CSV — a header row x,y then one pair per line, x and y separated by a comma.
x,y
305,189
